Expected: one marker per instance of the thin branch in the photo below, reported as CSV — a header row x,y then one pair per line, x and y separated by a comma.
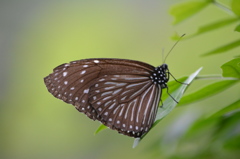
x,y
215,77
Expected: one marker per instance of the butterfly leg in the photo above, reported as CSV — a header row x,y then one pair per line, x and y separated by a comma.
x,y
161,106
171,96
176,79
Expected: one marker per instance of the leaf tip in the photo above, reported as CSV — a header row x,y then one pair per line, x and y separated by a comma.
x,y
136,142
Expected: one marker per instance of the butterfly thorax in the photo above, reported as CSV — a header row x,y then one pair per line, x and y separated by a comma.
x,y
160,75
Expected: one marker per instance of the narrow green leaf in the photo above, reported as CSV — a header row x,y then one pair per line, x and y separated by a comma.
x,y
169,104
211,122
207,91
232,143
231,68
100,128
236,7
185,10
237,28
215,25
228,109
200,126
224,49
207,28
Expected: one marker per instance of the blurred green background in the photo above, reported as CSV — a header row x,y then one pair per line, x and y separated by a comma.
x,y
36,36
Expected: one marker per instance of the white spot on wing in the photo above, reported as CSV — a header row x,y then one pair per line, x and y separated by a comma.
x,y
86,91
64,74
96,61
66,65
85,65
102,79
84,71
72,88
65,82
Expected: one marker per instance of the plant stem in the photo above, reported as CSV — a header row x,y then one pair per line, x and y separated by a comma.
x,y
214,77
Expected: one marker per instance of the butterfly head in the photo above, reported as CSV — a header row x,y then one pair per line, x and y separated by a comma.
x,y
160,75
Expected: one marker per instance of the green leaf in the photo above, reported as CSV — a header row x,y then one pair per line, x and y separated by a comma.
x,y
215,25
227,129
228,109
236,7
207,28
231,68
200,126
169,104
207,91
224,49
237,28
186,10
100,128
232,143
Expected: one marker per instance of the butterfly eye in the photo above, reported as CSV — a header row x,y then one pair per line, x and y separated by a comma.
x,y
122,94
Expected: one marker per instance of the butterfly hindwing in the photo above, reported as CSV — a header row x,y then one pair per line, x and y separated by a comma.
x,y
127,103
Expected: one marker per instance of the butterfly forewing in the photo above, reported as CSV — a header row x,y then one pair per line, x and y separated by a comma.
x,y
117,92
71,82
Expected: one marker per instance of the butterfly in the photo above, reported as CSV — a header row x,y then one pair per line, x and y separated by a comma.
x,y
122,94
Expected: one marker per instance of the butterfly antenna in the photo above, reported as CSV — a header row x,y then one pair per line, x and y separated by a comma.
x,y
173,47
163,55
